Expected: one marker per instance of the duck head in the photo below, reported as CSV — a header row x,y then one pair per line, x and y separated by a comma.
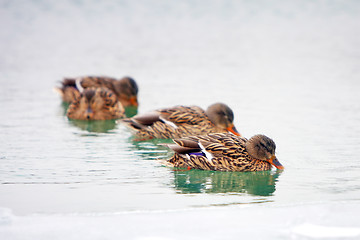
x,y
127,90
88,98
263,148
222,116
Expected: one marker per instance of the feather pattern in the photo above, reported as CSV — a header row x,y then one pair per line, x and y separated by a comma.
x,y
177,122
228,153
125,89
95,104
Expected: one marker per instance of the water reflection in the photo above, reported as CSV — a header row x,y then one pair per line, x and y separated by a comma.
x,y
131,111
260,183
64,106
151,149
98,126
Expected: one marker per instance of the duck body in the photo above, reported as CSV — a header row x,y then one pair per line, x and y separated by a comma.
x,y
69,92
95,104
125,89
224,152
181,121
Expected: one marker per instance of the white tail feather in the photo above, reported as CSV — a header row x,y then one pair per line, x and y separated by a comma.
x,y
168,122
78,85
208,155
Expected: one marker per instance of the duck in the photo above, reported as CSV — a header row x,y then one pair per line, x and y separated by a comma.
x,y
224,152
68,91
125,89
181,121
95,104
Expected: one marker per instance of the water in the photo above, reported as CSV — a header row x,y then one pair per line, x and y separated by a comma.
x,y
288,70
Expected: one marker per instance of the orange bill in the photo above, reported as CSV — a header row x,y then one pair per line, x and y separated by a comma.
x,y
133,101
233,130
275,162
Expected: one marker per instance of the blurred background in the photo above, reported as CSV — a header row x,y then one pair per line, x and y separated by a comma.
x,y
288,69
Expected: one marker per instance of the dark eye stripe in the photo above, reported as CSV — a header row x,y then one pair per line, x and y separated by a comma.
x,y
264,146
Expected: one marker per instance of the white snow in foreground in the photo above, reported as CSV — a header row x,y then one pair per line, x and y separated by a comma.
x,y
316,231
316,221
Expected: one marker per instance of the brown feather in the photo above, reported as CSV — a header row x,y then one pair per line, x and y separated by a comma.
x,y
147,119
185,121
96,104
180,149
229,153
125,89
187,143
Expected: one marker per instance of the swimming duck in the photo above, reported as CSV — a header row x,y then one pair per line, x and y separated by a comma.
x,y
182,121
68,91
125,89
224,152
95,104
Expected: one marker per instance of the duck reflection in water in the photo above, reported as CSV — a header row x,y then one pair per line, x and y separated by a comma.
x,y
260,183
152,149
97,126
129,111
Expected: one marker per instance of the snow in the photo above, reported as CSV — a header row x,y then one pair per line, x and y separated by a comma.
x,y
316,220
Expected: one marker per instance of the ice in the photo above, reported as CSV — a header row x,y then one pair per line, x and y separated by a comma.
x,y
317,220
6,216
317,231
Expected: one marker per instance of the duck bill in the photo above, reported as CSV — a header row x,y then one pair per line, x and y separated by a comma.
x,y
133,101
89,110
275,162
89,113
233,130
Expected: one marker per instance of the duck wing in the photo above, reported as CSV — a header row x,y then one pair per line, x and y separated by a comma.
x,y
142,121
214,145
169,116
92,81
183,115
110,107
219,151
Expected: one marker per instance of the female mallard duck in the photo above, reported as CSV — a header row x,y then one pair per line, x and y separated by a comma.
x,y
125,89
182,121
95,104
224,152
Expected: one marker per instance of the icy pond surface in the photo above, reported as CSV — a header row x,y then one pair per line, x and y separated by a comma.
x,y
289,70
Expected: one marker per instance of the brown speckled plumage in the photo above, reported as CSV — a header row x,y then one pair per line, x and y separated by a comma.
x,y
224,152
182,121
125,89
95,104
